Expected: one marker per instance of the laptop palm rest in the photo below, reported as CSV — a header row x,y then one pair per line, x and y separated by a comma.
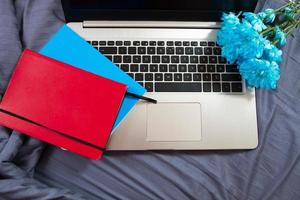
x,y
172,122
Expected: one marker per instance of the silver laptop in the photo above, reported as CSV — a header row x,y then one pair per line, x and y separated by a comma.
x,y
169,47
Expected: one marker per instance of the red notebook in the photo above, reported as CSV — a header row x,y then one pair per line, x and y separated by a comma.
x,y
61,104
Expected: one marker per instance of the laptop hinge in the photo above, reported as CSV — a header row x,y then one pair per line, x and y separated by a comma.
x,y
149,24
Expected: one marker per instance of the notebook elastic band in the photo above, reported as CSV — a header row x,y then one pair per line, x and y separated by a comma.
x,y
57,132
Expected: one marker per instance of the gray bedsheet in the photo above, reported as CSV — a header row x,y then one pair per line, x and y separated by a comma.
x,y
272,171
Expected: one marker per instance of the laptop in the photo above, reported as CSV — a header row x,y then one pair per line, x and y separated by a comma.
x,y
169,47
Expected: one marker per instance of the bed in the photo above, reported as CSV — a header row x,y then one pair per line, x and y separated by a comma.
x,y
29,169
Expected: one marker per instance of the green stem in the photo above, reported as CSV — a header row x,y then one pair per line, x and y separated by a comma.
x,y
282,7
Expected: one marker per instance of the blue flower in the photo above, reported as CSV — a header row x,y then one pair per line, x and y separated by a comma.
x,y
252,43
279,36
255,21
272,53
230,20
270,15
260,73
289,12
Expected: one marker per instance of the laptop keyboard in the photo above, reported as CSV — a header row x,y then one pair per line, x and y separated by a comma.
x,y
174,66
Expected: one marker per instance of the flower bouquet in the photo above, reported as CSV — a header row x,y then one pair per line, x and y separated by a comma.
x,y
253,42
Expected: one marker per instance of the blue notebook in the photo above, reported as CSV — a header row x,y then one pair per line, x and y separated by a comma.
x,y
68,47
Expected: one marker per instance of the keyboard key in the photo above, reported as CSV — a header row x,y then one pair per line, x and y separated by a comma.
x,y
216,77
163,68
217,51
197,77
145,43
131,75
184,59
182,68
231,77
222,60
194,43
137,59
178,43
194,59
177,87
144,68
236,87
165,59
155,59
95,43
201,68
142,50
125,67
152,43
134,68
139,76
110,43
225,87
108,50
146,59
88,41
213,59
148,77
179,50
203,59
109,57
141,83
220,68
206,77
192,68
119,43
96,47
149,86
174,59
158,77
206,87
231,68
207,51
160,50
127,43
136,43
189,50
151,50
102,43
117,59
153,68
122,50
216,87
186,43
126,59
177,77
160,43
187,77
131,50
170,50
172,68
211,44
199,51
203,43
170,43
168,77
211,68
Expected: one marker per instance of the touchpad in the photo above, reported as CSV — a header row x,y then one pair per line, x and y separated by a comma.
x,y
173,122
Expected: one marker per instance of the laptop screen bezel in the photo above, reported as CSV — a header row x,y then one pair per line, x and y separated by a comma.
x,y
77,15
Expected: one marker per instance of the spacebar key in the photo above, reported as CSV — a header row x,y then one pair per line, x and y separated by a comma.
x,y
177,87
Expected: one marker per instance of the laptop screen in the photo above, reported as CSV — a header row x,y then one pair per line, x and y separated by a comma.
x,y
166,10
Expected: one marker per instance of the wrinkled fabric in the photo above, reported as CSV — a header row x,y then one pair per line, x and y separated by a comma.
x,y
270,172
24,24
